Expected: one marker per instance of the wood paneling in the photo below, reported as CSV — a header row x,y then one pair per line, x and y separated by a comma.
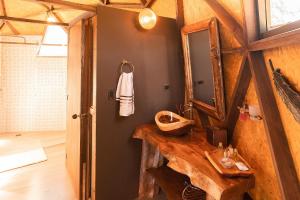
x,y
287,60
278,143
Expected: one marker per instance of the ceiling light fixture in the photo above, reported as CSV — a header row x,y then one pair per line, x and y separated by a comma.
x,y
147,18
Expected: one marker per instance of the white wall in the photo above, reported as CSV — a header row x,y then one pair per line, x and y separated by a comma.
x,y
33,95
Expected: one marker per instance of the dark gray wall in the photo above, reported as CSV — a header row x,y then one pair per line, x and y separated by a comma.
x,y
156,56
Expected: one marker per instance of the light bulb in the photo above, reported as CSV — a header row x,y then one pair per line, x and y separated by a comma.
x,y
147,18
51,19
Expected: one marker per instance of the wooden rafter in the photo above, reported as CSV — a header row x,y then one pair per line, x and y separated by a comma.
x,y
3,7
125,5
149,3
239,93
2,25
67,4
12,28
6,22
142,4
6,18
228,21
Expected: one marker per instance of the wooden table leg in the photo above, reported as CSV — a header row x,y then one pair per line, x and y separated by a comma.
x,y
151,158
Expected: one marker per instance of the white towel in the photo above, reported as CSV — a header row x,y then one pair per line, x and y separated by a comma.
x,y
125,94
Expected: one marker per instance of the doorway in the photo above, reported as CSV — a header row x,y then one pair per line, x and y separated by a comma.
x,y
47,123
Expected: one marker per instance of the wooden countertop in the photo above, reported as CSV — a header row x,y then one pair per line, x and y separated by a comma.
x,y
186,156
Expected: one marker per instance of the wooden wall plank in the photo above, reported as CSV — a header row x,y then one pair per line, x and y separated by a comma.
x,y
281,155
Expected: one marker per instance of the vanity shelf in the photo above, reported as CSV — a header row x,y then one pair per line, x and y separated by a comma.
x,y
186,156
171,182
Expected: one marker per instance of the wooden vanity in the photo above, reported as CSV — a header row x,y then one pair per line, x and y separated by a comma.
x,y
186,156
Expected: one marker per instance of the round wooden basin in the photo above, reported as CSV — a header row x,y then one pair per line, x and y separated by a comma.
x,y
172,124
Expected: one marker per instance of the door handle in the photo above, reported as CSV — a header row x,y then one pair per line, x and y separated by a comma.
x,y
75,116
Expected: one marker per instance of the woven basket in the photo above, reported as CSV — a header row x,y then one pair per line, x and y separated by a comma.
x,y
191,192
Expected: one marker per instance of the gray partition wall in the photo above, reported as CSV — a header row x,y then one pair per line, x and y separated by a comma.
x,y
158,84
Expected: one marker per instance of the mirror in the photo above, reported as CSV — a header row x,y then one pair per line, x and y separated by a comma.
x,y
203,69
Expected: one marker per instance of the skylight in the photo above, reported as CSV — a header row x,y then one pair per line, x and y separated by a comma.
x,y
54,42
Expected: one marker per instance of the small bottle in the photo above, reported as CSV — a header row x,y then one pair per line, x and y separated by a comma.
x,y
220,146
235,155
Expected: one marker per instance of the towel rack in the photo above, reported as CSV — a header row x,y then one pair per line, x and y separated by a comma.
x,y
125,62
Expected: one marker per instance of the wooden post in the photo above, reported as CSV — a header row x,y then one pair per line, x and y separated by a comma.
x,y
282,158
151,158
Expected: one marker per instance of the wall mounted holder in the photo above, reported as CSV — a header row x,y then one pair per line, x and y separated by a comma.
x,y
251,112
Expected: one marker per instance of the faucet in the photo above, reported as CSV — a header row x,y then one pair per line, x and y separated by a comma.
x,y
188,108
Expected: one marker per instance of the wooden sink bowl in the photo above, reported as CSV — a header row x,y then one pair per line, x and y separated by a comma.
x,y
172,124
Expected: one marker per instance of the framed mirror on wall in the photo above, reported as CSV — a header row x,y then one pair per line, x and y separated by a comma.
x,y
203,67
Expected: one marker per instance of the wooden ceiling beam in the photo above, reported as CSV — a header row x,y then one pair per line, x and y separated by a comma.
x,y
228,21
281,155
149,3
6,18
125,5
2,25
67,4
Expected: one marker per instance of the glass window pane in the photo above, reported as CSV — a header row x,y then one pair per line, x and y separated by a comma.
x,y
284,11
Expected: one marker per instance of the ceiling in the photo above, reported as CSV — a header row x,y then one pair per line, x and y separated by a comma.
x,y
63,10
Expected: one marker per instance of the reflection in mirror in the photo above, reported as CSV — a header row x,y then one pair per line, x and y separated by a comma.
x,y
201,66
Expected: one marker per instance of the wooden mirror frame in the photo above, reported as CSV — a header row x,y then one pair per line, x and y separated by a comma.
x,y
211,25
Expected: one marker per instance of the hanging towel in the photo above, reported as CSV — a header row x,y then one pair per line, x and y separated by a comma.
x,y
125,94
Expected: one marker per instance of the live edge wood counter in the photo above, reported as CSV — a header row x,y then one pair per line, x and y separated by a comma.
x,y
186,156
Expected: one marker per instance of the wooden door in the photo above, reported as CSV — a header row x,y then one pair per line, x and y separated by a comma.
x,y
74,139
80,100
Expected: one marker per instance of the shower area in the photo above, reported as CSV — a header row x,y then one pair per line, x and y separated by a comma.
x,y
32,101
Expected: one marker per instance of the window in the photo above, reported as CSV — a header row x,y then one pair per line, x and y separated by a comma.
x,y
278,16
283,12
